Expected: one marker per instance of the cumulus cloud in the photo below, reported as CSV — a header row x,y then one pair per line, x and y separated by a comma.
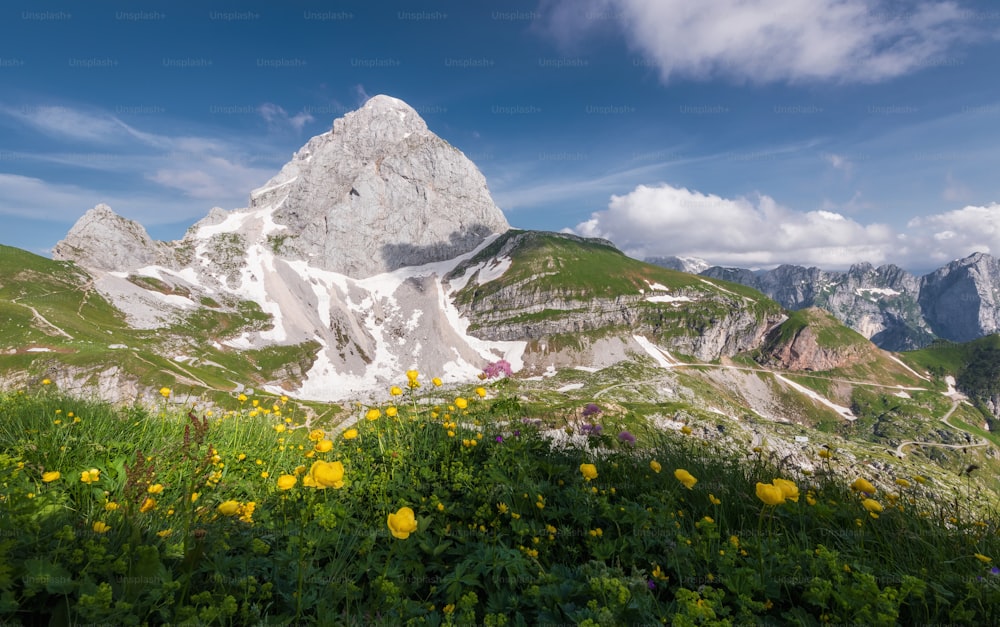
x,y
771,40
664,220
953,234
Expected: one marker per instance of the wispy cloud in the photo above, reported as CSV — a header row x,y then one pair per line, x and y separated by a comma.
x,y
207,170
766,41
277,117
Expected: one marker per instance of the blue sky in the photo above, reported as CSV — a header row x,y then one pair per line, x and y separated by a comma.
x,y
747,133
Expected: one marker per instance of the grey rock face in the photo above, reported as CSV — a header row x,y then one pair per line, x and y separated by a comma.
x,y
103,240
379,192
960,301
879,303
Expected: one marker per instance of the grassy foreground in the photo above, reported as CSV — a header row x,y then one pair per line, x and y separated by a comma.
x,y
453,509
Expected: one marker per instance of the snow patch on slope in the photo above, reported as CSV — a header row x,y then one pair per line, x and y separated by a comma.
x,y
662,357
840,409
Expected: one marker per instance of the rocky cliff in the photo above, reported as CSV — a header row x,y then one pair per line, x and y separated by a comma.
x,y
893,308
961,301
557,289
812,339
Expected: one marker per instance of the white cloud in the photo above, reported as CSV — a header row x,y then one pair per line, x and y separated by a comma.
x,y
954,234
758,232
38,199
209,177
771,40
203,168
276,116
77,125
666,220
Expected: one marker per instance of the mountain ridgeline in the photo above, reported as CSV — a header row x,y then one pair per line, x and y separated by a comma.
x,y
377,248
893,308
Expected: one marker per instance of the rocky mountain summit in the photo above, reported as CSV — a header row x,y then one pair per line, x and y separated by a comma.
x,y
895,309
377,192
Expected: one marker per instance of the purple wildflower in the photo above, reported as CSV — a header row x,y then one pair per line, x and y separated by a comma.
x,y
517,433
591,410
626,437
499,438
995,570
590,429
651,584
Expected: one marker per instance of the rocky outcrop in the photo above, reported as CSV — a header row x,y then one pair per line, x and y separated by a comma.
x,y
961,301
104,240
802,349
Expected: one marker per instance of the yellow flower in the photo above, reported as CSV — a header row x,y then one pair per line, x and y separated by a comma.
x,y
461,403
589,471
324,475
810,498
286,482
90,476
686,430
919,479
52,475
436,381
395,390
655,466
148,505
350,434
373,414
982,558
824,453
156,488
46,382
903,483
448,609
440,507
685,477
242,398
402,523
391,411
872,505
280,428
165,392
194,496
324,446
111,506
788,489
166,533
411,379
228,508
713,500
481,392
101,527
862,485
770,494
502,508
265,475
316,435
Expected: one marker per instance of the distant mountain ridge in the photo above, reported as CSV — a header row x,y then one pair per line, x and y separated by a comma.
x,y
895,309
